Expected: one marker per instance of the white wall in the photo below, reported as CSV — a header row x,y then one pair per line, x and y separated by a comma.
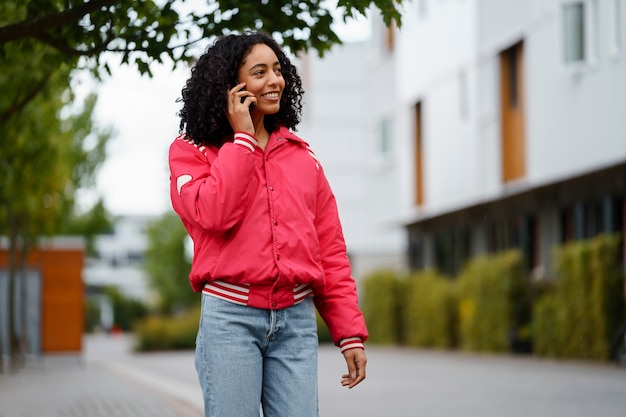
x,y
574,116
342,112
435,65
575,119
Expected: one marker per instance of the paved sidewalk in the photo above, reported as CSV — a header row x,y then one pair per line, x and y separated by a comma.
x,y
406,382
108,380
94,384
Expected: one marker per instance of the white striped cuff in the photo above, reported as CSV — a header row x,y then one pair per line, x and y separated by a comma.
x,y
246,139
351,343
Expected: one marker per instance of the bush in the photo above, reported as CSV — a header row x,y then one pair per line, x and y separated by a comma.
x,y
168,333
380,304
430,314
547,335
179,332
578,318
92,315
126,311
323,334
493,302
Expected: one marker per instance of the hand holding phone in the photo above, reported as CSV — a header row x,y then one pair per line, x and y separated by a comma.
x,y
243,99
240,104
252,105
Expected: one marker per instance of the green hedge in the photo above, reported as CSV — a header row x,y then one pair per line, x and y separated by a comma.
x,y
430,311
493,302
547,339
323,334
381,302
577,319
179,332
168,333
486,309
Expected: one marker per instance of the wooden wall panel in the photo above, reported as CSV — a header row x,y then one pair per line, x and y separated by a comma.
x,y
512,110
63,294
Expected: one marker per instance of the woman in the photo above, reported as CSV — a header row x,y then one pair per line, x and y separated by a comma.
x,y
268,244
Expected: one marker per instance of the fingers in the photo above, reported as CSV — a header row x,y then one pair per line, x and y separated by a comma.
x,y
238,95
356,361
239,101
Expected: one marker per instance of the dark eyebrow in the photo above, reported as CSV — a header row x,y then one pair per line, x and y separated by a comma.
x,y
252,68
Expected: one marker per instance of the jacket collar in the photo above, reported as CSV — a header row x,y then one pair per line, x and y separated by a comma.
x,y
284,133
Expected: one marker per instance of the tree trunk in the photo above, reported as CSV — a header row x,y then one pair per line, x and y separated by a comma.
x,y
17,257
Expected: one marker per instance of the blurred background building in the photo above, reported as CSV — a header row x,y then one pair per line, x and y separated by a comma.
x,y
118,258
347,102
507,125
481,125
48,298
118,263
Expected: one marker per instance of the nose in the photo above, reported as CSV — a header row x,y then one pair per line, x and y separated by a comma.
x,y
273,78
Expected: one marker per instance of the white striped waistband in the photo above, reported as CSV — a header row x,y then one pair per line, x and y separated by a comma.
x,y
240,293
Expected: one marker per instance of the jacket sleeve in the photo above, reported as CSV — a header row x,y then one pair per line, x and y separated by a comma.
x,y
338,304
212,195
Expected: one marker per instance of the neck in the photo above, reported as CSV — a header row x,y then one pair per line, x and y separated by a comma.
x,y
260,132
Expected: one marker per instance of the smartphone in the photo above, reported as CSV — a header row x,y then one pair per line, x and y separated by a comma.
x,y
252,105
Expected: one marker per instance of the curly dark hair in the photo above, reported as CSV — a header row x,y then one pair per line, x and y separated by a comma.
x,y
203,115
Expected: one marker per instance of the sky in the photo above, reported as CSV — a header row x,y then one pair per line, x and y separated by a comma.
x,y
142,111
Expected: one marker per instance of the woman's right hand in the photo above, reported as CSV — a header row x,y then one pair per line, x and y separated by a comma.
x,y
239,102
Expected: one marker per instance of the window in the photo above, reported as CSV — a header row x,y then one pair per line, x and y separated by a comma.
x,y
452,250
574,32
578,31
616,27
512,56
419,158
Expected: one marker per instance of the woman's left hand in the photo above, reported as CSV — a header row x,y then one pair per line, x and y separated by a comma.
x,y
356,361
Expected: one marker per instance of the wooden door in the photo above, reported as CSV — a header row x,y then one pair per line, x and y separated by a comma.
x,y
512,110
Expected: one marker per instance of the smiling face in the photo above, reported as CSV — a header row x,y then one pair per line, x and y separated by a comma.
x,y
261,72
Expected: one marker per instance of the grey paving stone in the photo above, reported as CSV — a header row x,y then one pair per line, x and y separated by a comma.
x,y
73,389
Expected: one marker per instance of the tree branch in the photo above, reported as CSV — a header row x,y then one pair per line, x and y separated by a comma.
x,y
67,50
42,24
16,107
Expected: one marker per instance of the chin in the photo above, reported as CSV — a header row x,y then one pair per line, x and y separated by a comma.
x,y
272,110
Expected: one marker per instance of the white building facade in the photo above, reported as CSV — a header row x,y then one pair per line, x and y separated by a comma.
x,y
348,121
509,126
119,259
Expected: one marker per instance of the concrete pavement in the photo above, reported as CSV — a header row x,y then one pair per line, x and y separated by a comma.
x,y
109,381
407,382
94,384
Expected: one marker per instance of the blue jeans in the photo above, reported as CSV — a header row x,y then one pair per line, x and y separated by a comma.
x,y
250,358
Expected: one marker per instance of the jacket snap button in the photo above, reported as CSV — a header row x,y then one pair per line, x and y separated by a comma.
x,y
274,304
275,222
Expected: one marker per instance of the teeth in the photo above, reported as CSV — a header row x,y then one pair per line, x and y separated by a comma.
x,y
271,95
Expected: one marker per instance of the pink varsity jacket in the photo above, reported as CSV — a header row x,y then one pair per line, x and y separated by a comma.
x,y
265,228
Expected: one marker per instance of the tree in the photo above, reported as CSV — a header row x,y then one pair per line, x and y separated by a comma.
x,y
167,265
147,30
78,33
44,159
